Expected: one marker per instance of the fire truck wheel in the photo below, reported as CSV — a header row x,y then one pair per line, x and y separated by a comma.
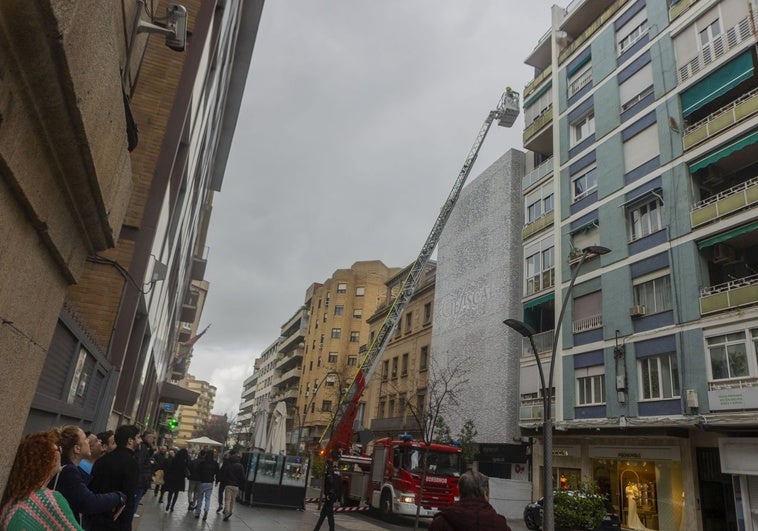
x,y
385,506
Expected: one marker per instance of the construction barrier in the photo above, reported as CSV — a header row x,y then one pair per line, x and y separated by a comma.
x,y
314,500
351,509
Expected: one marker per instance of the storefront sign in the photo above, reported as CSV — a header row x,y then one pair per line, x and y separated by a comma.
x,y
653,453
738,398
567,451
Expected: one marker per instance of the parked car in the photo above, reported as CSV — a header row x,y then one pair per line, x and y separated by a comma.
x,y
533,517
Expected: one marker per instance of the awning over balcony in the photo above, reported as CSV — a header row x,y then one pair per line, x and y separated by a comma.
x,y
176,394
728,235
717,83
539,300
724,151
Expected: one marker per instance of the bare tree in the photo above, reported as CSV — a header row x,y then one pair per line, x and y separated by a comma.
x,y
444,387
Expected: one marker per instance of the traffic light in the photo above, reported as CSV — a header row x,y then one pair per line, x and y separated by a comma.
x,y
172,422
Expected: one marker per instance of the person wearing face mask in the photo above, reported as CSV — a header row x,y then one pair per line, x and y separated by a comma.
x,y
26,502
71,481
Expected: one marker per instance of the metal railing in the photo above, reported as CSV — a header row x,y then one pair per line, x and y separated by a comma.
x,y
580,82
752,280
736,189
544,169
543,342
737,383
588,323
733,113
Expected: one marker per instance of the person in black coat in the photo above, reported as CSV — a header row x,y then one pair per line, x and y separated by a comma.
x,y
331,491
473,512
144,454
72,481
117,471
177,470
232,475
207,473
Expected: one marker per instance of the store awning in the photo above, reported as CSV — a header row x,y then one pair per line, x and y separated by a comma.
x,y
176,394
539,300
719,82
728,235
724,151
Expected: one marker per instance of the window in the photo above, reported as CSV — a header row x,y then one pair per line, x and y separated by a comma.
x,y
385,369
641,148
404,366
636,87
328,296
584,184
352,361
538,107
728,355
582,128
357,313
341,287
427,312
423,358
313,407
588,312
580,79
380,412
408,322
654,294
360,292
332,357
645,219
538,203
539,266
633,36
659,377
326,405
394,367
355,337
710,45
324,318
420,402
336,333
399,329
590,385
390,408
338,310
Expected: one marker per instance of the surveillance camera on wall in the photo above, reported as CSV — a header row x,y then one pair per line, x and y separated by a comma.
x,y
177,20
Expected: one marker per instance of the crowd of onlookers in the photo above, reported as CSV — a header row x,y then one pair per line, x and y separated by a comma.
x,y
66,478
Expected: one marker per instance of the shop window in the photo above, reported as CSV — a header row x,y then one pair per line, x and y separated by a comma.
x,y
658,376
590,385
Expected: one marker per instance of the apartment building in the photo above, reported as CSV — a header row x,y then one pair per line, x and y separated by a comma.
x,y
257,400
396,395
337,327
289,367
192,418
243,430
142,133
640,127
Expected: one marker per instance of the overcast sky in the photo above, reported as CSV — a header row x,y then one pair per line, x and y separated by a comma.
x,y
356,120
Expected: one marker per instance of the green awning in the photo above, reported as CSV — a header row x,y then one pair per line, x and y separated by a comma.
x,y
534,97
580,63
728,235
728,76
724,151
539,300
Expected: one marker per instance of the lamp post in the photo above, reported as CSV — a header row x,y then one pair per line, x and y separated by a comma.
x,y
547,388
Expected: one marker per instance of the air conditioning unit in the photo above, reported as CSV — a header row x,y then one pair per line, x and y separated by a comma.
x,y
723,254
637,311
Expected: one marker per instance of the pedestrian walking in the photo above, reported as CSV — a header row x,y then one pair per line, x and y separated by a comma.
x,y
221,487
232,476
27,503
332,493
72,481
159,465
117,471
207,473
144,455
473,512
193,489
177,470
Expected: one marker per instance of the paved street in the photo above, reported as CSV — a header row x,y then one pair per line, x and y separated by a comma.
x,y
154,517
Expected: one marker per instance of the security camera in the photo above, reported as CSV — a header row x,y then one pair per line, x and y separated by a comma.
x,y
177,21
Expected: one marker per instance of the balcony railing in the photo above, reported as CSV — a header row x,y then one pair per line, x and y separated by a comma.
x,y
716,48
733,384
580,82
537,173
537,225
542,341
534,408
724,203
588,323
538,124
537,81
679,8
740,109
586,34
732,294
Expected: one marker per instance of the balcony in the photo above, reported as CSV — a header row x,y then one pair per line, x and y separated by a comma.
x,y
724,203
540,282
737,111
588,323
188,313
199,264
599,22
537,81
721,44
288,377
735,394
537,174
542,341
540,122
533,409
537,225
680,7
729,295
579,83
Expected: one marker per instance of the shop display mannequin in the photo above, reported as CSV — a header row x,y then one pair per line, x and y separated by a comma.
x,y
632,494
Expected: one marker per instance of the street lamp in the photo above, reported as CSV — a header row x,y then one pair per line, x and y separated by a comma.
x,y
547,389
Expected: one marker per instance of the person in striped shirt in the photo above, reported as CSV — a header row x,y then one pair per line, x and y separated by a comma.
x,y
26,503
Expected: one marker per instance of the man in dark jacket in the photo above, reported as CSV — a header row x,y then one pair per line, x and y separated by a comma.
x,y
473,512
144,455
331,491
232,475
207,472
117,471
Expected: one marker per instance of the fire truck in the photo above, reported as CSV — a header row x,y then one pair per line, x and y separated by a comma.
x,y
387,476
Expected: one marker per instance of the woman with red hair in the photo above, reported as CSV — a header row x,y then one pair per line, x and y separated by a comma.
x,y
27,504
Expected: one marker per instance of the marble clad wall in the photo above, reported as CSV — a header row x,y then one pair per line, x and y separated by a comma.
x,y
479,284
